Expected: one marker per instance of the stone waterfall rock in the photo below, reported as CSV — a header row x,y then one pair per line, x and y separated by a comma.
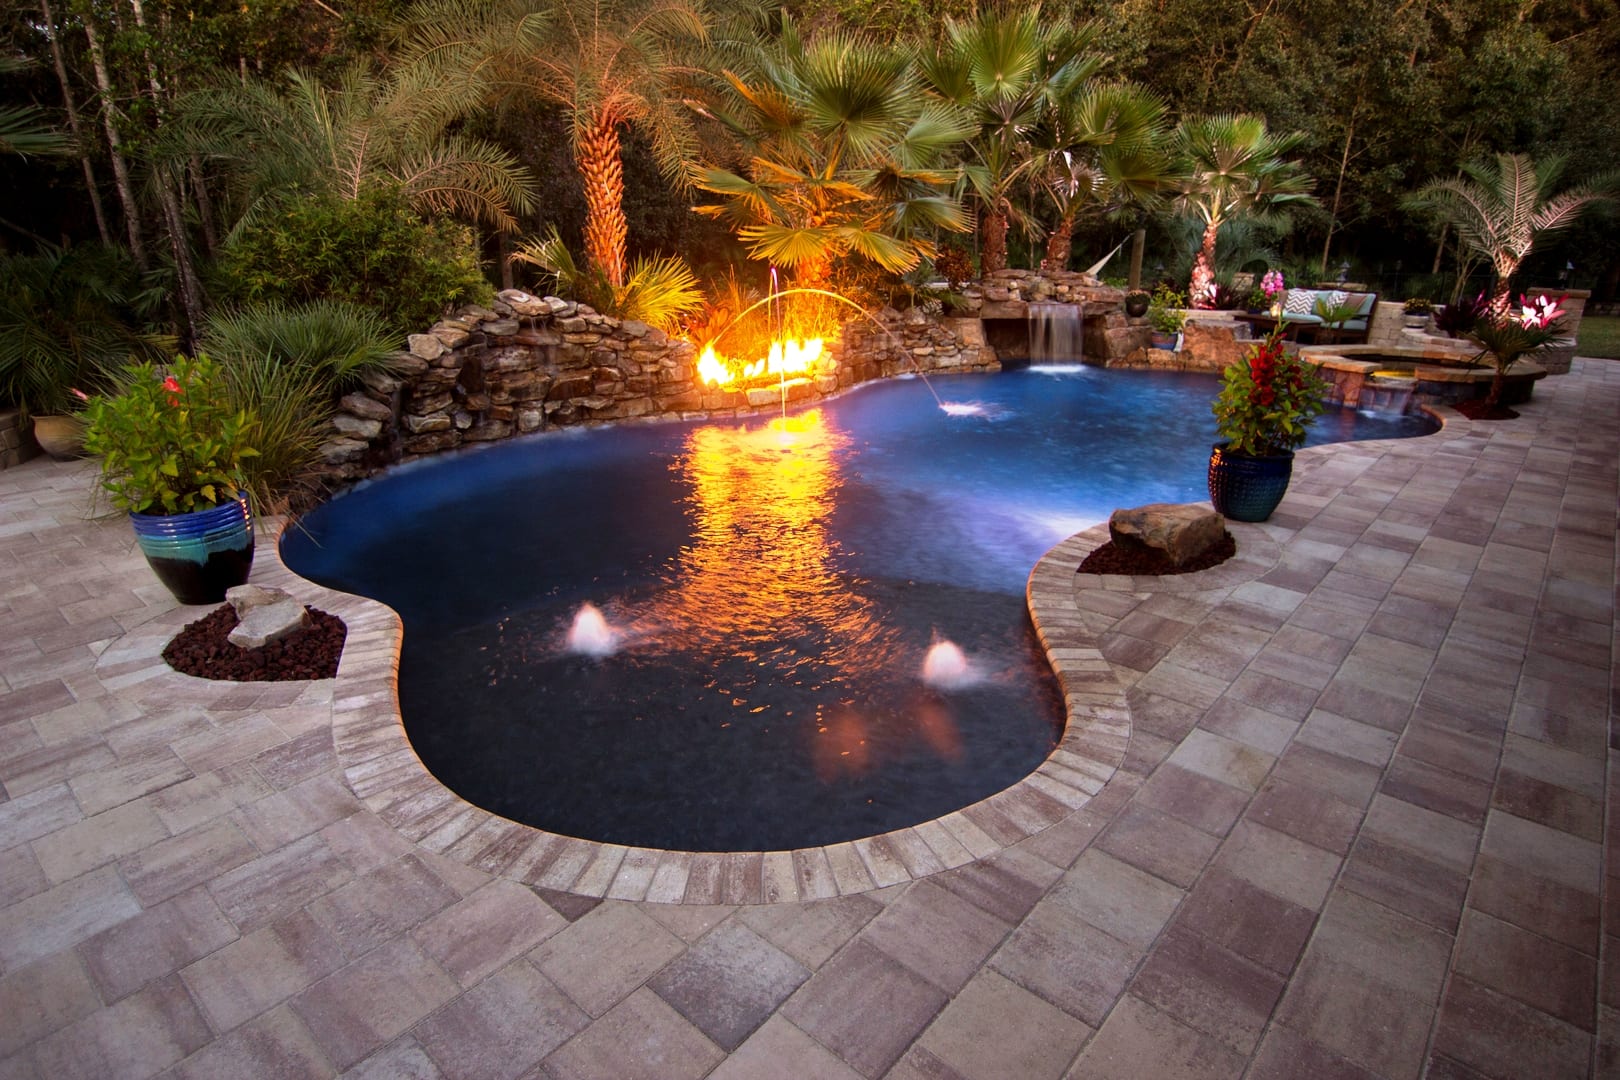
x,y
1182,531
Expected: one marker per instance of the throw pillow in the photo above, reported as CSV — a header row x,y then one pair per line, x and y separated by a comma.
x,y
1300,301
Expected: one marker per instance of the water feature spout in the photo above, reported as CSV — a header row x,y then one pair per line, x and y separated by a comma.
x,y
591,635
946,667
1055,333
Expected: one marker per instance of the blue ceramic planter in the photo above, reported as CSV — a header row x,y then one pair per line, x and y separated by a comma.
x,y
198,555
1245,488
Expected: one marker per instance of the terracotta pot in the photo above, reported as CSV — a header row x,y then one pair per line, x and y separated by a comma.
x,y
60,436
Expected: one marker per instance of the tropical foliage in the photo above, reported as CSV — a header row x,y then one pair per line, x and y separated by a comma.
x,y
658,292
839,154
1267,402
1503,207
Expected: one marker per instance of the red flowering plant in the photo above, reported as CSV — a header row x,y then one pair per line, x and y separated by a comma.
x,y
1267,400
169,440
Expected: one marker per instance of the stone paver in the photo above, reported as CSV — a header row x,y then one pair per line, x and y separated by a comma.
x,y
1338,808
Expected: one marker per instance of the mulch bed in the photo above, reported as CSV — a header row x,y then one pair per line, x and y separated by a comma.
x,y
1110,559
1476,409
201,649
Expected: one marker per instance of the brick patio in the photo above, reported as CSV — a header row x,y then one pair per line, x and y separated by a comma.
x,y
1336,809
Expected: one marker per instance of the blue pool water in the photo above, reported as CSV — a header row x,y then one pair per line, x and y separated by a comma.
x,y
774,585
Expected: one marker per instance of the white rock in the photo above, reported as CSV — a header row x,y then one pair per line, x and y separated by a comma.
x,y
244,598
269,622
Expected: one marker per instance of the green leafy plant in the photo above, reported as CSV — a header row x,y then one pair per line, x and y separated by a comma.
x,y
373,250
658,292
288,365
68,319
170,441
1507,335
1165,311
1267,402
1419,305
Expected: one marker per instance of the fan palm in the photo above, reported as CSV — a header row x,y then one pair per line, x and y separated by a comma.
x,y
1232,166
365,130
609,64
841,156
1501,209
25,129
1102,149
1009,71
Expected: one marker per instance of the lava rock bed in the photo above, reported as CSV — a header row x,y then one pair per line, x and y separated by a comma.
x,y
201,649
1112,559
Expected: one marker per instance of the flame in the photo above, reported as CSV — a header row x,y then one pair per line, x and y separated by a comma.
x,y
785,358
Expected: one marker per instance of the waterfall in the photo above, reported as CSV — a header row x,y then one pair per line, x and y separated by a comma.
x,y
1055,334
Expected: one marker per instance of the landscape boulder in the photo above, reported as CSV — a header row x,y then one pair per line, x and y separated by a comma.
x,y
1181,531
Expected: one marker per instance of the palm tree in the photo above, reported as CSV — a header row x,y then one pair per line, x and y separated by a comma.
x,y
25,129
1232,166
1102,149
1009,71
341,140
841,155
1501,209
609,64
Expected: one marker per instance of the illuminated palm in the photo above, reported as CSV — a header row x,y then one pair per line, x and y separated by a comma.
x,y
609,64
1102,149
1233,167
1502,209
841,156
1009,71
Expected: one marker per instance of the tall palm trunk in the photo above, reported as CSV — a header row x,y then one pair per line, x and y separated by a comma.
x,y
994,255
1058,247
596,151
73,124
1203,271
115,146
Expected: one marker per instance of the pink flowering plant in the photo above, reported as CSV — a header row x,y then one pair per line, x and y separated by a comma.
x,y
1507,335
1268,400
170,441
1272,284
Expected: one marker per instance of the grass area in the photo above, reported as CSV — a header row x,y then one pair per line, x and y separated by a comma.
x,y
1599,336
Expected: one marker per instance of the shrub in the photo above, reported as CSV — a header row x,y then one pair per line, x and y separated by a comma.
x,y
1164,313
289,365
1457,318
1266,402
372,250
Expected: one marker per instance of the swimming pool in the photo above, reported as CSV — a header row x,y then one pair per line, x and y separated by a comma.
x,y
772,590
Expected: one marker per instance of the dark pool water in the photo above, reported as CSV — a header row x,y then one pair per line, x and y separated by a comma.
x,y
776,586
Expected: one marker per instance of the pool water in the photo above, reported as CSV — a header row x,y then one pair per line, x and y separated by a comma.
x,y
773,587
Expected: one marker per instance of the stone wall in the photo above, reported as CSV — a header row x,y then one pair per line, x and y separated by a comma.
x,y
531,363
16,439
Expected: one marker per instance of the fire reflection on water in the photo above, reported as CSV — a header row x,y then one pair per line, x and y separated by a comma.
x,y
759,597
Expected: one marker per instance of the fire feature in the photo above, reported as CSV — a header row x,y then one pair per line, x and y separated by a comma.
x,y
786,359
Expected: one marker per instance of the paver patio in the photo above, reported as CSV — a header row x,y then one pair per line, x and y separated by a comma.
x,y
1358,828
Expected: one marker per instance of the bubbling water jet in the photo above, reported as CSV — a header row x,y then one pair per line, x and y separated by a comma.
x,y
591,635
947,667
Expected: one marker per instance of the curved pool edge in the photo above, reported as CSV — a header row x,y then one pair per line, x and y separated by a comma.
x,y
385,774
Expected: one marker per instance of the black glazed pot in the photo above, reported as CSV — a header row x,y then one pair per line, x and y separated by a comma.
x,y
1136,305
1246,488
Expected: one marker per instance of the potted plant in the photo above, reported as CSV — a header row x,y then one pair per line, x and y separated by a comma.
x,y
1506,336
1417,311
1264,407
171,451
1273,289
1166,316
1137,302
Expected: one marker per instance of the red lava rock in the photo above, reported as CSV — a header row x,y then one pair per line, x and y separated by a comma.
x,y
1110,559
313,653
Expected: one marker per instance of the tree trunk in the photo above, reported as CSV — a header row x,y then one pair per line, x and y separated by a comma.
x,y
596,152
115,146
74,126
1058,247
1203,271
1338,190
994,256
191,296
